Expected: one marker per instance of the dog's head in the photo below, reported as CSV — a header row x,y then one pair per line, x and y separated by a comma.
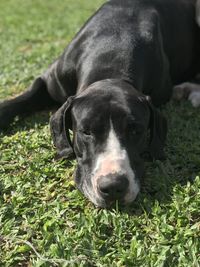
x,y
113,125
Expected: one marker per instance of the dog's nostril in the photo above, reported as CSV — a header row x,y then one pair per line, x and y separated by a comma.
x,y
113,187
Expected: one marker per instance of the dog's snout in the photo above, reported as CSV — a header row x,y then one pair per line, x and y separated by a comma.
x,y
113,187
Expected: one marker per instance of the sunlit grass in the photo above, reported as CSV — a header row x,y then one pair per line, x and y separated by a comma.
x,y
44,220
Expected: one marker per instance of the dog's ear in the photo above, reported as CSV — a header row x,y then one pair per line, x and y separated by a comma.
x,y
60,123
158,132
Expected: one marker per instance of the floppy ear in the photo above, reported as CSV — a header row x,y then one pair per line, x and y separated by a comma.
x,y
60,123
158,133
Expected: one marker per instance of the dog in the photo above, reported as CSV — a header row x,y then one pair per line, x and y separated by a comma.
x,y
109,83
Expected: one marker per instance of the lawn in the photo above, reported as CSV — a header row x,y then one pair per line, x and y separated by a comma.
x,y
44,220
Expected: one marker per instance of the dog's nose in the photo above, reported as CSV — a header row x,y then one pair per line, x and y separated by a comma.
x,y
113,187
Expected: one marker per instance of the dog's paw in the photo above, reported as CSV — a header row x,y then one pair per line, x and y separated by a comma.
x,y
194,98
181,91
187,90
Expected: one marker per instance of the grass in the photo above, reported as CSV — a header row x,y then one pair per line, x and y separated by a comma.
x,y
44,220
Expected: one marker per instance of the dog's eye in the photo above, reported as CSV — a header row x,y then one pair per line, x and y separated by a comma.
x,y
86,132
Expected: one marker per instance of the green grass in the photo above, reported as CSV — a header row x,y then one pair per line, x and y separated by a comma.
x,y
44,220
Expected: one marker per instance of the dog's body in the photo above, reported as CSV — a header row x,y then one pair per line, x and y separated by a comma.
x,y
128,50
150,44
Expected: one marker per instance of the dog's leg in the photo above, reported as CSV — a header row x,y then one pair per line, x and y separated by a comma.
x,y
34,99
187,90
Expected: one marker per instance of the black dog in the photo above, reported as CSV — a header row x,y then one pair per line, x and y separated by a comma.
x,y
129,50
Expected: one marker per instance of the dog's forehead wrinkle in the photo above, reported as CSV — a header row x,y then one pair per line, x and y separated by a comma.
x,y
94,114
103,91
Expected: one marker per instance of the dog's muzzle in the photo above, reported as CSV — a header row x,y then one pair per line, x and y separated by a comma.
x,y
112,187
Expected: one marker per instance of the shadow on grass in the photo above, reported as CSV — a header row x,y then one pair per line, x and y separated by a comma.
x,y
28,122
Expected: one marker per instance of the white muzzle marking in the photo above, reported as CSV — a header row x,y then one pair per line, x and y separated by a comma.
x,y
113,160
